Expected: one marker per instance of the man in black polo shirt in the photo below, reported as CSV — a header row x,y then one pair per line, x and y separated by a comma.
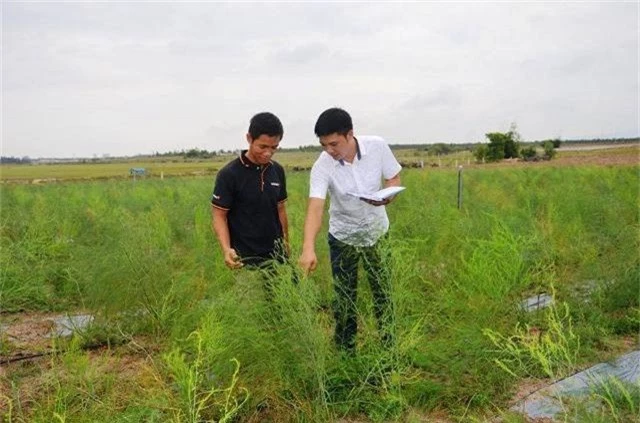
x,y
249,217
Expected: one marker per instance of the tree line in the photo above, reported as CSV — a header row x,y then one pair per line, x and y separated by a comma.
x,y
508,145
501,146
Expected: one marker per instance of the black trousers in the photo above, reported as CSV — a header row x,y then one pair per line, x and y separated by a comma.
x,y
344,266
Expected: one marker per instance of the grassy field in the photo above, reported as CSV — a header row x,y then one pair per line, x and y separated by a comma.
x,y
178,337
178,166
157,167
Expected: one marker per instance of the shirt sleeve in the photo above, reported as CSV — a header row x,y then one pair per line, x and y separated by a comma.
x,y
222,196
390,166
283,185
318,182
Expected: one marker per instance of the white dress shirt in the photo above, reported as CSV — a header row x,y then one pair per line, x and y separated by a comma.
x,y
351,220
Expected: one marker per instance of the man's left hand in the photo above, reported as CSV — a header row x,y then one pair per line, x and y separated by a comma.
x,y
377,203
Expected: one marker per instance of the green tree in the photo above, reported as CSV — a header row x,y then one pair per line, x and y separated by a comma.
x,y
529,153
512,143
439,149
481,152
549,150
496,147
192,153
504,145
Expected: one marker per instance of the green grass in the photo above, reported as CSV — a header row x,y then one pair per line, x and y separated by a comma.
x,y
142,258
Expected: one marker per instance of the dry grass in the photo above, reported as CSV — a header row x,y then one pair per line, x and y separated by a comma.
x,y
177,166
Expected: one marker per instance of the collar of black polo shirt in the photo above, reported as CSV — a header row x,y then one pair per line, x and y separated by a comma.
x,y
247,163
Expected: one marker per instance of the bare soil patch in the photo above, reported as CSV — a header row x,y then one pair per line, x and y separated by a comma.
x,y
25,333
620,157
30,367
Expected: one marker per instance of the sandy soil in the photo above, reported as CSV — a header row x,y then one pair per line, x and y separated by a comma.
x,y
25,332
28,365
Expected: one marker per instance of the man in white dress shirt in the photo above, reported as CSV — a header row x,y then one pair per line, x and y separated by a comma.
x,y
357,227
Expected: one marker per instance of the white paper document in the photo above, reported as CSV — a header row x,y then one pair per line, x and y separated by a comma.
x,y
381,195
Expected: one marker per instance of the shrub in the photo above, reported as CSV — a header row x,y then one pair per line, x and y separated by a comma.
x,y
529,153
549,151
481,152
496,148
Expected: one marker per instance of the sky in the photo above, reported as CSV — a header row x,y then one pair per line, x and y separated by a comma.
x,y
89,79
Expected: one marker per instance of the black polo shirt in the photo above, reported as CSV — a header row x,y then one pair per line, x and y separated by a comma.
x,y
251,194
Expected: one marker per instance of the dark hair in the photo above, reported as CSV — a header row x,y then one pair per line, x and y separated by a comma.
x,y
265,123
331,121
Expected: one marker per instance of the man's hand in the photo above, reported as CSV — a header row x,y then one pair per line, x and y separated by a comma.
x,y
231,259
308,262
378,203
312,223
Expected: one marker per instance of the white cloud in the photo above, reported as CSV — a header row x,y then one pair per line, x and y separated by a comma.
x,y
125,78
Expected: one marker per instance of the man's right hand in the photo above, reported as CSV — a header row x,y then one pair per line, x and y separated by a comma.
x,y
231,259
308,262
